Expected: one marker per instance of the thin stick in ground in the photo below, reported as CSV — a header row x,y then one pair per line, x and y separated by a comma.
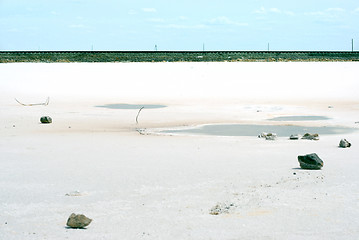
x,y
138,114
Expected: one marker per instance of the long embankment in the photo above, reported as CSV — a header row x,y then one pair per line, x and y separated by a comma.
x,y
175,56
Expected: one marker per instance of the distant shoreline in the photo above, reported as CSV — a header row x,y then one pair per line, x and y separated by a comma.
x,y
178,56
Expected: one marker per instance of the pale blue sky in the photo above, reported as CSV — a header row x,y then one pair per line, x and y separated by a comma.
x,y
178,25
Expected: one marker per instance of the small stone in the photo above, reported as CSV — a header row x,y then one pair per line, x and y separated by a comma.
x,y
45,119
310,161
268,136
271,136
344,143
294,137
78,221
309,136
75,194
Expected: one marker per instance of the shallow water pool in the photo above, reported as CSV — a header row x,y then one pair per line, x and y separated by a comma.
x,y
299,118
255,130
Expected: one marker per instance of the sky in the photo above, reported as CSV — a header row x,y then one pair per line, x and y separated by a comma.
x,y
179,25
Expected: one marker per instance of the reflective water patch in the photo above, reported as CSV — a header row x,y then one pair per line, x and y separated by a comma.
x,y
299,118
254,130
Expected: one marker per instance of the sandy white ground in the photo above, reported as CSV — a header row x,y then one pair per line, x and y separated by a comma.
x,y
162,187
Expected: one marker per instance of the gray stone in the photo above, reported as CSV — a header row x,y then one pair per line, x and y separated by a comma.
x,y
268,136
310,161
294,137
45,119
344,143
311,136
78,221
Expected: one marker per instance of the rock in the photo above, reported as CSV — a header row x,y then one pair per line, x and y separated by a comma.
x,y
262,135
271,136
344,143
310,161
310,136
45,119
268,136
78,221
294,137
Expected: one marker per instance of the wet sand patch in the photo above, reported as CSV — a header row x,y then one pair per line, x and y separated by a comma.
x,y
131,106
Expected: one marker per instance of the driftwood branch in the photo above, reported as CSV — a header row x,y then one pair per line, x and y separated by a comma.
x,y
138,114
35,104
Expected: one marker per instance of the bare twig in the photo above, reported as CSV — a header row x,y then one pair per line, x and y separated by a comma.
x,y
138,114
35,104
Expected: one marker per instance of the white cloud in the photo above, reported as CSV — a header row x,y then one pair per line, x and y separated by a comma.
x,y
356,10
264,10
183,18
318,13
335,10
155,20
275,10
77,26
180,26
290,13
226,21
149,10
14,30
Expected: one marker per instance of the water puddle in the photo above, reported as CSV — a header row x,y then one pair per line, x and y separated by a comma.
x,y
131,106
254,130
299,118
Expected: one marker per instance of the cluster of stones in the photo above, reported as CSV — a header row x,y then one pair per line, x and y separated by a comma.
x,y
268,136
273,136
308,136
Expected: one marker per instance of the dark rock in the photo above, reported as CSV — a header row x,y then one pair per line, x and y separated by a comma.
x,y
344,143
45,119
310,161
310,136
294,137
78,221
